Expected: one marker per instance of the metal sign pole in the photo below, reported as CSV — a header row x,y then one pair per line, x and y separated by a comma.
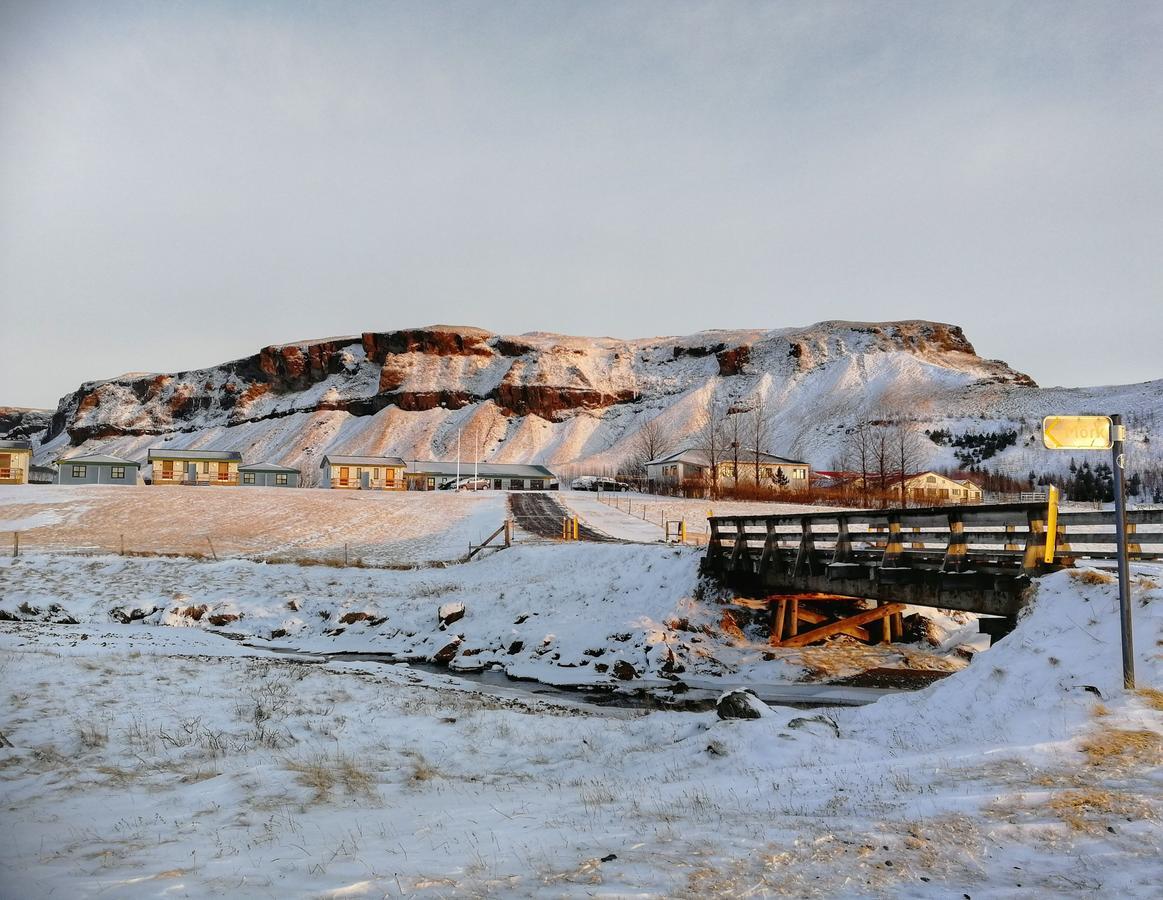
x,y
1119,435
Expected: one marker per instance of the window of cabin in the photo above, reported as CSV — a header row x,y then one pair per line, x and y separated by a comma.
x,y
117,472
79,471
248,477
280,479
205,468
931,479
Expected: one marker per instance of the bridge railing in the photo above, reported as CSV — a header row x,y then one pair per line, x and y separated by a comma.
x,y
998,539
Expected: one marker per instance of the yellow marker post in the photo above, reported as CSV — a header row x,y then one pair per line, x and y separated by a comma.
x,y
1051,524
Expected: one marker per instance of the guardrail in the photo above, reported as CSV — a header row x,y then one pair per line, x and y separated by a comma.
x,y
978,558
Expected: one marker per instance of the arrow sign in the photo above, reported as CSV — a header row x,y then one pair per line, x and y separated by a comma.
x,y
1077,433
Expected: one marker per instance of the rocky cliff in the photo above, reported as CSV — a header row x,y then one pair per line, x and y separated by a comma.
x,y
537,397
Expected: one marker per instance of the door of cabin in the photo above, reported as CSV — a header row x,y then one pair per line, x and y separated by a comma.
x,y
223,471
5,465
344,475
167,470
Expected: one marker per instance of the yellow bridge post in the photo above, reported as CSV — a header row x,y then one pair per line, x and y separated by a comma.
x,y
1051,524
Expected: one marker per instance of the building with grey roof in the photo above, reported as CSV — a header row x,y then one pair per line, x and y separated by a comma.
x,y
426,475
97,468
268,475
219,467
366,473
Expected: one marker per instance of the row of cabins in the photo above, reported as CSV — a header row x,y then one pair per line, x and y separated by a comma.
x,y
391,473
226,468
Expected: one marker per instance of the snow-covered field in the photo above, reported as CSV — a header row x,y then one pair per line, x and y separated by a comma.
x,y
634,516
379,528
150,761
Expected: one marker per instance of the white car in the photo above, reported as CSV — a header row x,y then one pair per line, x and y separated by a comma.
x,y
467,484
594,483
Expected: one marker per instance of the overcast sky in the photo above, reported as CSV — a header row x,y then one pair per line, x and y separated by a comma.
x,y
183,183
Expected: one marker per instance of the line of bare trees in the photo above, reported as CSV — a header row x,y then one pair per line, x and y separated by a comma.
x,y
739,433
882,453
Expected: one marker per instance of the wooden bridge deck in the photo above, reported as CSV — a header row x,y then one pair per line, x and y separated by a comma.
x,y
974,558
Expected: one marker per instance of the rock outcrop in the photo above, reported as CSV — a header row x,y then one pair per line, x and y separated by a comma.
x,y
537,397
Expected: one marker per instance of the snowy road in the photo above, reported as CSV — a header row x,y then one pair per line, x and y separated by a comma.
x,y
544,516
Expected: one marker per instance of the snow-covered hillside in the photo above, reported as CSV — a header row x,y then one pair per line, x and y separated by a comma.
x,y
572,402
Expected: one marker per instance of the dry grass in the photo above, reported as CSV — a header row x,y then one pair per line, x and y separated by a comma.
x,y
1091,576
1153,697
323,774
1090,809
1118,747
421,770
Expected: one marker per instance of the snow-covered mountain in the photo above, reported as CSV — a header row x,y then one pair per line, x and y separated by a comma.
x,y
574,403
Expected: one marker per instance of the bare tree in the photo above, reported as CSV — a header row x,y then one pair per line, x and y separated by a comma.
x,y
759,428
859,454
736,431
907,450
882,458
710,437
653,441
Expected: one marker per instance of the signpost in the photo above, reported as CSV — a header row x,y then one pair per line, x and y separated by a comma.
x,y
1103,433
1076,432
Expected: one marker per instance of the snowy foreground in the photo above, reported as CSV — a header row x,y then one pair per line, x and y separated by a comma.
x,y
151,761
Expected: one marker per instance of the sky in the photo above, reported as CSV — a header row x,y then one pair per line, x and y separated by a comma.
x,y
184,183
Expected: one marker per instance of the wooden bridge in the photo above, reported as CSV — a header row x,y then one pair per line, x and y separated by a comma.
x,y
974,558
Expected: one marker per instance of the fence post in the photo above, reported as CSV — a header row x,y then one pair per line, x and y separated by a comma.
x,y
15,544
123,543
508,532
345,554
211,543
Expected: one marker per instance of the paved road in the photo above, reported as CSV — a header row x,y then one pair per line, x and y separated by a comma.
x,y
541,514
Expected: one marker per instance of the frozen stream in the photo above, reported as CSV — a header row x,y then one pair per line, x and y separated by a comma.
x,y
689,696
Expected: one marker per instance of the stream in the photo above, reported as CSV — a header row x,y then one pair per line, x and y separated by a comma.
x,y
696,695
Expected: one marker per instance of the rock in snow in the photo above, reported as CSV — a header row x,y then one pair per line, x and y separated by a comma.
x,y
740,705
449,613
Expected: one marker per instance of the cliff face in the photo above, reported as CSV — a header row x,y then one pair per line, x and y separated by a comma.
x,y
533,397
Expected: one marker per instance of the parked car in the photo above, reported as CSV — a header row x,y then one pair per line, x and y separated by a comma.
x,y
467,484
594,483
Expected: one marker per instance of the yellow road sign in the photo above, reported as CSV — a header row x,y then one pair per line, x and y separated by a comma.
x,y
1077,432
